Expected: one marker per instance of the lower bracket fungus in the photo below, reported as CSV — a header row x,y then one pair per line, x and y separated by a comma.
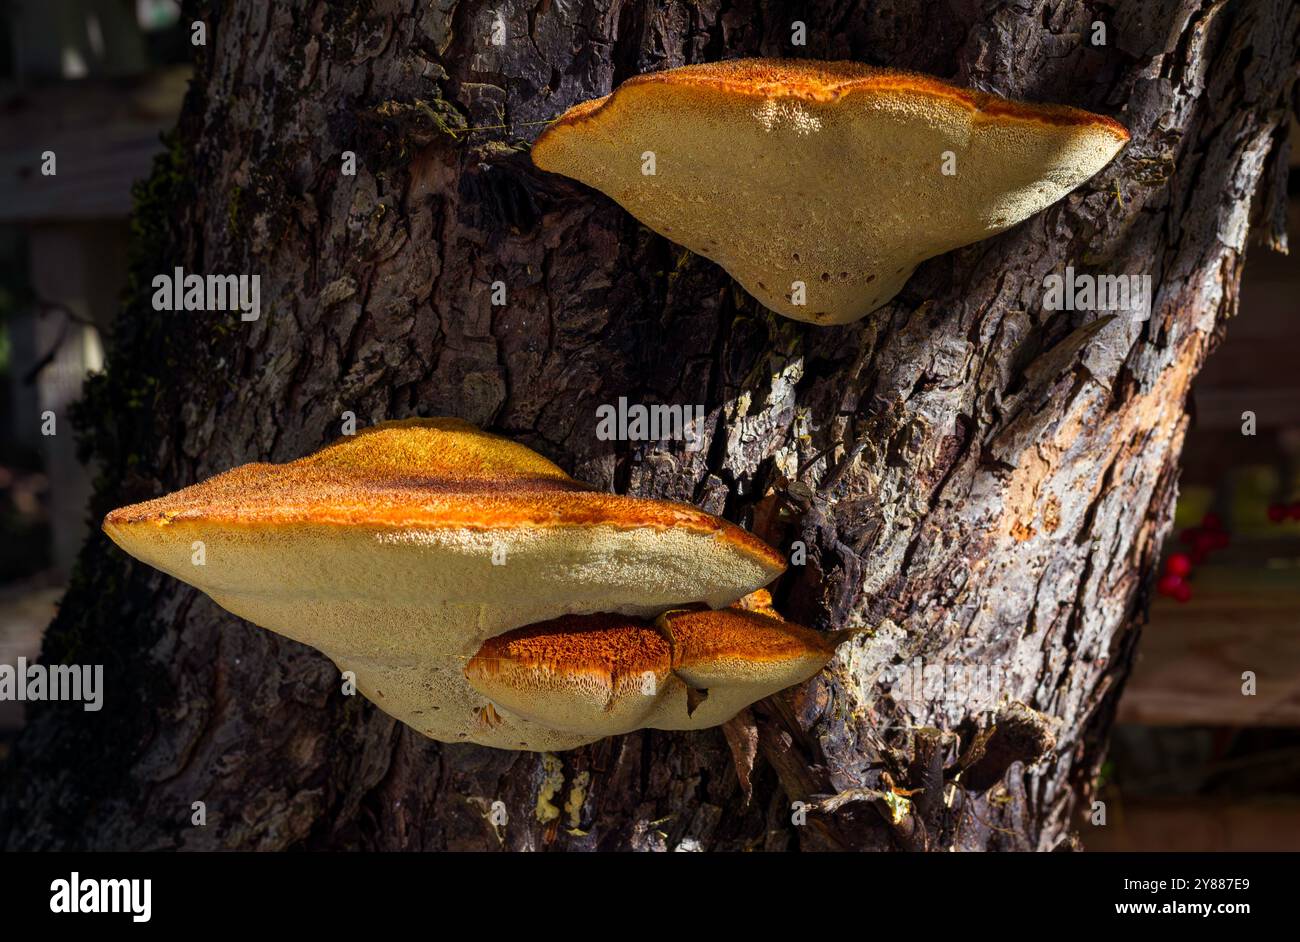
x,y
403,552
820,186
609,674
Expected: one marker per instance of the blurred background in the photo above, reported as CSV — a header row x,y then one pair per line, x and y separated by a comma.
x,y
101,79
1194,764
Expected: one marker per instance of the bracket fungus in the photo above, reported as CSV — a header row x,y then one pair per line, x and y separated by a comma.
x,y
820,186
688,669
400,552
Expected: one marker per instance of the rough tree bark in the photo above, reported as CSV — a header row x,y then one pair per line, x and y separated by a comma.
x,y
977,480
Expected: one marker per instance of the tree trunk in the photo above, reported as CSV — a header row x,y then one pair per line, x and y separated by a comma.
x,y
981,482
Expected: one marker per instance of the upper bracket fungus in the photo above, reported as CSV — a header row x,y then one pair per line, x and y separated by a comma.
x,y
399,552
820,186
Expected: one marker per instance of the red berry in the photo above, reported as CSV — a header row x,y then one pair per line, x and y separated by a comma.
x,y
1183,593
1189,535
1219,540
1199,556
1178,564
1295,510
1277,512
1204,542
1212,521
1169,584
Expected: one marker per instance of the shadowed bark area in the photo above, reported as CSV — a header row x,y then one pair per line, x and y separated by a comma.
x,y
976,480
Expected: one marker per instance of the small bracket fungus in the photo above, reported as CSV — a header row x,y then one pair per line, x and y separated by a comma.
x,y
400,551
829,174
600,675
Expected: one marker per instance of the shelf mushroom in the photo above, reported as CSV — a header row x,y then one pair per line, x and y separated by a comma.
x,y
688,669
820,186
400,551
